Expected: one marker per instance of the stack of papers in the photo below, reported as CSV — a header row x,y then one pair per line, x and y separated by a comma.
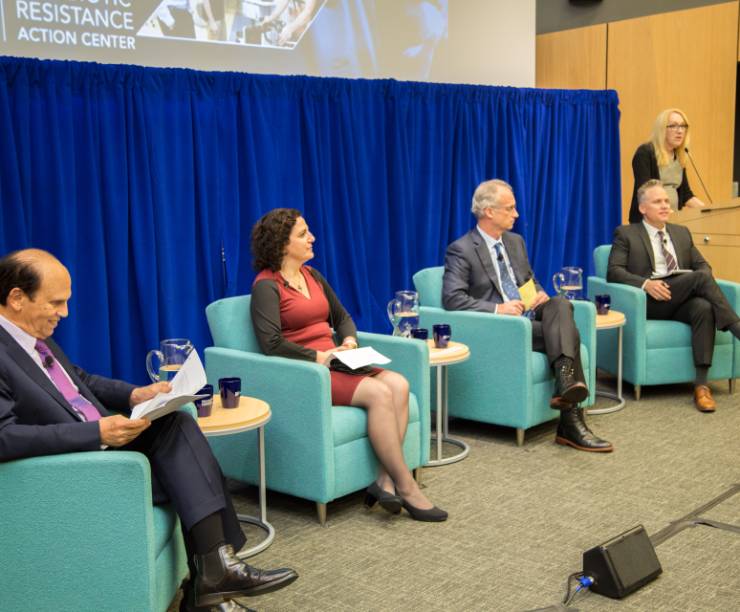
x,y
190,379
669,274
359,357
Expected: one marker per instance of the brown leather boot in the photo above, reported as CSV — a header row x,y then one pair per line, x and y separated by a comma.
x,y
703,399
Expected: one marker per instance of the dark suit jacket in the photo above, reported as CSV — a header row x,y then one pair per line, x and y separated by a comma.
x,y
644,168
632,262
470,281
35,419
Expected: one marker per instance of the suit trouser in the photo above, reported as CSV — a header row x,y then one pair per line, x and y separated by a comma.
x,y
697,300
186,474
554,333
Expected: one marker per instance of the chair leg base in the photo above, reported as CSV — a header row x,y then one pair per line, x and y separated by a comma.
x,y
731,384
520,436
321,513
418,475
638,392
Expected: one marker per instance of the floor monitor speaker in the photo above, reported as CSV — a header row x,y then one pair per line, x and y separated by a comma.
x,y
623,564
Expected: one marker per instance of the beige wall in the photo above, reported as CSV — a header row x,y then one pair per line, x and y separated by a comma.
x,y
572,59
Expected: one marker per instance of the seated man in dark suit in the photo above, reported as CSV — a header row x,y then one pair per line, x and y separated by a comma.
x,y
483,270
656,248
49,406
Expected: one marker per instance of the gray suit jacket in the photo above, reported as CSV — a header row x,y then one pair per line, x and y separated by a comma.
x,y
470,281
632,262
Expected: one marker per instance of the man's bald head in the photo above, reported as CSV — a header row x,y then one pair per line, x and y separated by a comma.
x,y
25,269
34,290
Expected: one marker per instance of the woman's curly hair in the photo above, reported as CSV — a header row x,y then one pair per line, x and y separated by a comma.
x,y
270,236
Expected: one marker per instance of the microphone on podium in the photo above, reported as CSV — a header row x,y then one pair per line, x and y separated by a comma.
x,y
691,159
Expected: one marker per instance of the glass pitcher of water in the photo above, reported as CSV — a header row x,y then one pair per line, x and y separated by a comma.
x,y
569,282
171,355
403,312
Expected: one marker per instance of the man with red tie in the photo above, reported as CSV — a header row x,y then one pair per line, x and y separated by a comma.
x,y
647,255
49,406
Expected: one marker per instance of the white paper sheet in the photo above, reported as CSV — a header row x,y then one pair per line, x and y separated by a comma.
x,y
356,358
669,274
190,378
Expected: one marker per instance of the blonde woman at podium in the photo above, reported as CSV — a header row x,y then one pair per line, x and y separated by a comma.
x,y
664,158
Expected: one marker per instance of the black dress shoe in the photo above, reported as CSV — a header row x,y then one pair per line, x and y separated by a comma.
x,y
568,388
573,431
388,501
431,515
222,575
187,604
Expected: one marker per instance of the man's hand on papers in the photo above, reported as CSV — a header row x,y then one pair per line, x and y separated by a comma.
x,y
512,307
142,394
117,430
540,298
658,290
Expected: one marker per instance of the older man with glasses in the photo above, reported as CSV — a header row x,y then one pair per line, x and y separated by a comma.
x,y
483,271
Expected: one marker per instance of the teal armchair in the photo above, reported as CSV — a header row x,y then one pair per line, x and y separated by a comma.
x,y
504,382
657,352
313,450
80,533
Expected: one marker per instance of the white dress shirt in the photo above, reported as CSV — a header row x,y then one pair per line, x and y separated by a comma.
x,y
661,267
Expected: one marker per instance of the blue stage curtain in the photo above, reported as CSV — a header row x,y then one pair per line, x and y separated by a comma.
x,y
146,182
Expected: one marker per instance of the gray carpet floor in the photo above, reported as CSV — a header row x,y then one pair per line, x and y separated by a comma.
x,y
520,519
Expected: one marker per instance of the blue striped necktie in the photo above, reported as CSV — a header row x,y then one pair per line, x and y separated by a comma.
x,y
507,283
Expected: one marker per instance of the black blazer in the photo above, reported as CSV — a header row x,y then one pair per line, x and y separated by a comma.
x,y
470,281
644,168
632,262
35,419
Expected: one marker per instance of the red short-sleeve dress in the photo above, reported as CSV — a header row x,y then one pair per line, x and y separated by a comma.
x,y
305,321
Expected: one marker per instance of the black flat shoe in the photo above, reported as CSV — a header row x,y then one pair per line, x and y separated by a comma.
x,y
432,515
388,501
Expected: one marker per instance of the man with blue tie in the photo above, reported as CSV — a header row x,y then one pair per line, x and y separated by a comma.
x,y
49,406
654,248
483,271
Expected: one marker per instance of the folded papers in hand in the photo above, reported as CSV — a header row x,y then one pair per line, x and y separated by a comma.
x,y
190,378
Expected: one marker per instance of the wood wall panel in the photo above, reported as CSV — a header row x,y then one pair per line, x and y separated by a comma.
x,y
685,59
572,59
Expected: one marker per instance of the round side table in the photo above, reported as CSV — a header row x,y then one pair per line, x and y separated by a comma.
x,y
612,320
252,413
440,358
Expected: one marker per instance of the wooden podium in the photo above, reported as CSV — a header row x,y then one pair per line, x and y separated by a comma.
x,y
716,233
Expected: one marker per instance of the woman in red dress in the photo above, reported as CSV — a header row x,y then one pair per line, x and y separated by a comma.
x,y
294,311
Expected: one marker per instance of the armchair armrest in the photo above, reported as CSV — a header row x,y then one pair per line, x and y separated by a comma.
x,y
584,314
501,341
299,435
411,359
732,293
78,510
633,303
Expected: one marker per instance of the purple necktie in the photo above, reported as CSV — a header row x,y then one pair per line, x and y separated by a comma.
x,y
82,407
670,260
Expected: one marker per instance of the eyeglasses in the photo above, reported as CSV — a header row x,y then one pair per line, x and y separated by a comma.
x,y
507,209
677,126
